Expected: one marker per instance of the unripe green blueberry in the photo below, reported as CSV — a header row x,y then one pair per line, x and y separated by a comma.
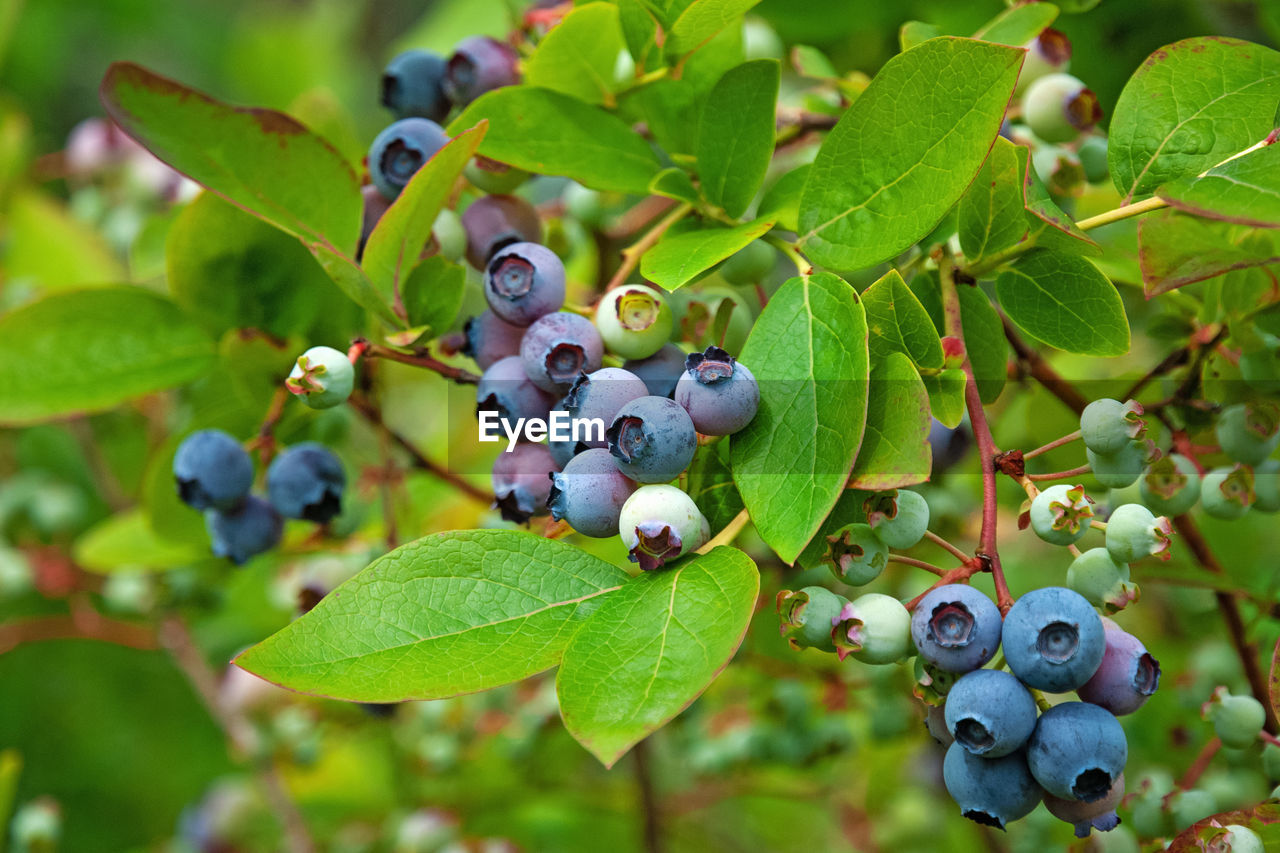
x,y
585,205
1093,158
1188,807
634,320
659,523
1238,839
1227,492
1047,53
808,615
696,315
1248,432
856,555
322,378
494,177
1271,762
1266,486
1060,169
1237,720
899,517
37,826
750,264
1102,580
874,628
1170,486
1120,469
1058,108
1149,816
450,236
1060,515
1133,533
1108,426
760,41
1260,368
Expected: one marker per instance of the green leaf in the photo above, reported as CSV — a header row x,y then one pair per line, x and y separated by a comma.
x,y
1051,228
639,29
946,394
1244,190
915,33
895,447
1064,301
1175,249
46,245
1018,25
578,56
710,484
679,258
781,202
897,322
126,542
551,133
983,333
906,151
652,648
736,134
848,510
450,613
404,230
433,294
992,214
1191,105
674,183
90,350
808,351
701,20
810,62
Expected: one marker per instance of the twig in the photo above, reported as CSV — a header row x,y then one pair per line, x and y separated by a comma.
x,y
1061,475
84,626
422,358
631,254
1119,213
919,564
1201,763
1042,372
730,532
652,829
1045,448
946,546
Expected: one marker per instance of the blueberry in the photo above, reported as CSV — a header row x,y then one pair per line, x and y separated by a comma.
x,y
1077,751
855,554
401,150
1108,426
1260,368
1086,817
1127,677
1122,468
1093,158
600,395
661,371
375,207
1053,640
212,470
495,222
1058,108
449,236
1170,486
479,64
524,282
899,517
634,320
652,439
1227,492
489,339
990,713
660,523
750,264
522,481
948,446
719,393
1103,582
589,493
806,617
1266,486
935,723
956,628
990,791
1133,533
558,348
506,389
873,628
563,451
1237,720
494,177
718,316
1248,432
411,85
1188,807
1060,515
322,378
1047,53
239,534
1238,839
306,481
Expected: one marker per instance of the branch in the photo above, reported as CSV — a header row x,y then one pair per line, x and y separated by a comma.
x,y
652,830
919,564
1042,372
631,254
422,358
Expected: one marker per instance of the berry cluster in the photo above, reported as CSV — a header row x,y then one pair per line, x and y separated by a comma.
x,y
214,474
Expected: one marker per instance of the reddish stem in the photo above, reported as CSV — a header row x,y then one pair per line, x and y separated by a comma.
x,y
1042,372
423,359
1201,763
1061,475
919,564
1058,442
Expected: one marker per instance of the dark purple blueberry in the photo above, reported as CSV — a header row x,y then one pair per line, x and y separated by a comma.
x,y
589,493
505,389
522,481
496,221
524,281
1127,676
489,339
479,64
559,347
661,371
599,396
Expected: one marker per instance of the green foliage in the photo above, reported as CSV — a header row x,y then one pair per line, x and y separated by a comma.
x,y
579,55
681,257
736,134
1065,302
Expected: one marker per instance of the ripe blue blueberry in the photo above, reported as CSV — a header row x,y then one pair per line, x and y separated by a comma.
x,y
661,371
494,222
322,378
1127,676
558,348
1086,817
1053,639
479,64
1227,492
411,85
1170,486
956,628
506,389
1077,751
1122,468
652,439
1103,582
1060,515
1237,720
522,481
990,791
873,628
306,481
1133,533
400,150
589,493
634,321
489,339
601,395
719,393
563,451
855,554
948,445
1266,486
899,517
212,470
1058,108
1248,432
990,713
239,534
806,616
660,523
524,282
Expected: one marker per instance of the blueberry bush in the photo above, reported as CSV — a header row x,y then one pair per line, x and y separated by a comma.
x,y
663,425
